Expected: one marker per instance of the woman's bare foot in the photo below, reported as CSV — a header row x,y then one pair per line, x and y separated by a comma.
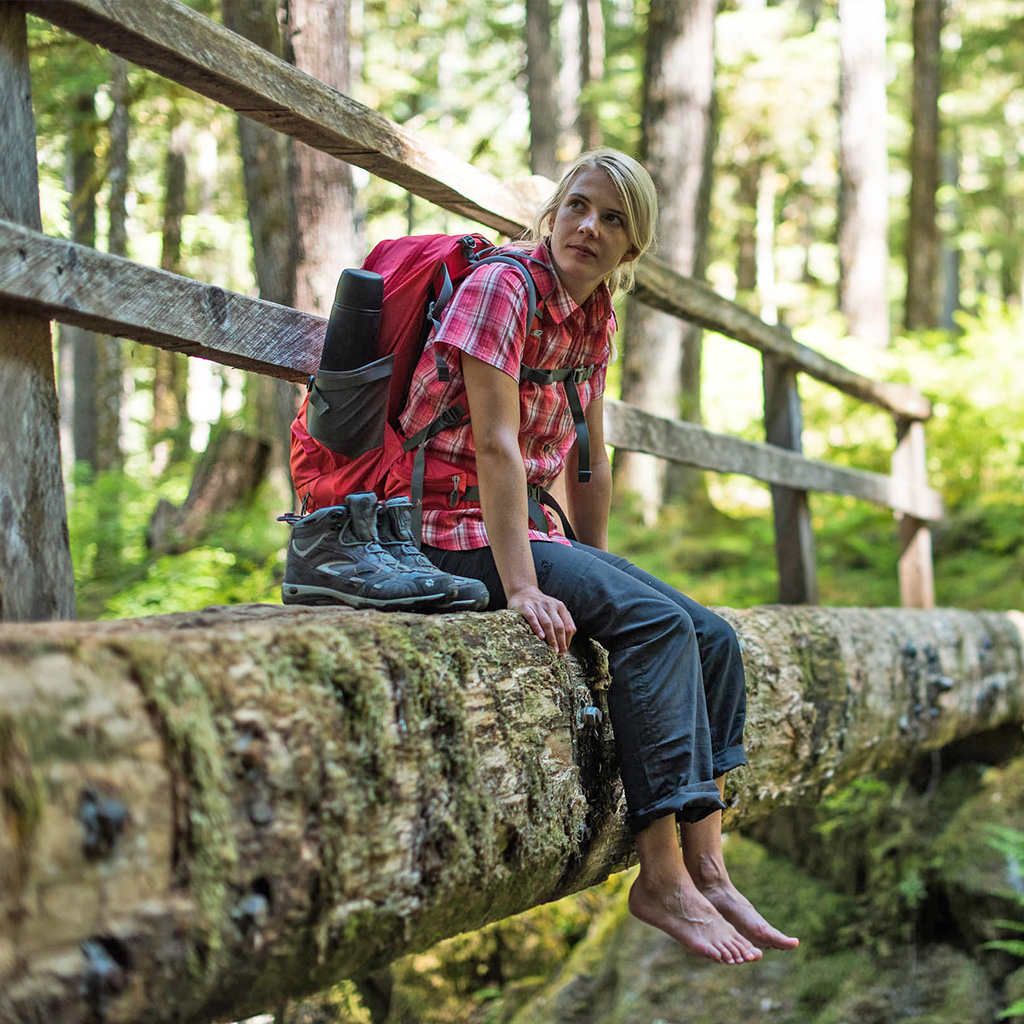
x,y
714,883
685,915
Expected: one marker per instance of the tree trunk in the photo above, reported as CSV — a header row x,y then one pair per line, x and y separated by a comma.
x,y
748,184
110,365
661,354
205,814
570,76
540,89
324,194
117,163
922,252
82,186
267,167
329,235
950,251
863,171
592,46
227,476
169,427
36,580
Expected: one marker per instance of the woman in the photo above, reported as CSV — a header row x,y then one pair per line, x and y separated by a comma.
x,y
677,696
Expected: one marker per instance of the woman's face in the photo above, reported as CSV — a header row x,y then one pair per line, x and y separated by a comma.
x,y
589,236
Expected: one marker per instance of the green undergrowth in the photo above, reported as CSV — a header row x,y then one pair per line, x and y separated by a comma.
x,y
240,558
722,554
719,558
729,559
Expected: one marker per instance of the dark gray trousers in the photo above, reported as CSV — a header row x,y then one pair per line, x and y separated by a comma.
x,y
678,696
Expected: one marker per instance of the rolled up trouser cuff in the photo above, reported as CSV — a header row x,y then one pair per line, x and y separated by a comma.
x,y
728,759
688,803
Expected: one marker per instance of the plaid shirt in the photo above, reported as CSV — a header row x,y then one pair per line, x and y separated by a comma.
x,y
487,319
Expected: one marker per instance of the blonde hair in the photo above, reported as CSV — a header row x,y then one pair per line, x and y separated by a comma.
x,y
639,199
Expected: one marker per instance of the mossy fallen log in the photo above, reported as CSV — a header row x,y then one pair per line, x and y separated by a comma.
x,y
203,814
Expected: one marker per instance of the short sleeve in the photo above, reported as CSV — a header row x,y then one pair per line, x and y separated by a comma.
x,y
487,319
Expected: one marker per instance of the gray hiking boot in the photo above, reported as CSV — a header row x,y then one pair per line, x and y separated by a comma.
x,y
335,557
394,526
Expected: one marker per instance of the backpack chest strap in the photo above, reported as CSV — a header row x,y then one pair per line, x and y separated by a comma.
x,y
569,377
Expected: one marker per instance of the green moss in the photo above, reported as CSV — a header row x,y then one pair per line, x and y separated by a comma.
x,y
48,741
186,716
21,793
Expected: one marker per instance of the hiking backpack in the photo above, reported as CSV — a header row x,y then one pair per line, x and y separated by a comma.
x,y
360,408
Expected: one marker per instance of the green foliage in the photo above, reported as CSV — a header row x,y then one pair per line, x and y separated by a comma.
x,y
1010,843
976,461
241,560
879,852
486,976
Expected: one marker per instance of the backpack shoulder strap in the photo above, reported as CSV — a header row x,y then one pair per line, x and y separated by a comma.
x,y
446,287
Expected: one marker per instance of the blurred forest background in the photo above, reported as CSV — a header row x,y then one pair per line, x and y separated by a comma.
x,y
852,169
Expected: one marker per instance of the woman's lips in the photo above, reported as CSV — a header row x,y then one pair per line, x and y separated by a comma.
x,y
582,249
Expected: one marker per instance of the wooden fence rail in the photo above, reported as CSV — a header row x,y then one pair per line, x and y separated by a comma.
x,y
43,278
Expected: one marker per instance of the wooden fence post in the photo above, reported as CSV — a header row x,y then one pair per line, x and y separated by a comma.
x,y
36,580
794,540
917,580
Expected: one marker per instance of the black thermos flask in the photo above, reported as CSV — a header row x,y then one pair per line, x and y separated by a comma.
x,y
351,338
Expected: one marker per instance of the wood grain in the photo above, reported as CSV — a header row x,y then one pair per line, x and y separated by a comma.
x,y
36,580
78,285
638,431
794,536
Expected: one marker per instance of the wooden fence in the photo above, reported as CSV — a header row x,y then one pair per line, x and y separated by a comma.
x,y
44,278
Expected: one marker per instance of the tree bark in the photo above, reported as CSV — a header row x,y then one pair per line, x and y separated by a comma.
x,y
661,354
227,476
570,76
36,580
592,48
267,168
109,362
540,89
863,171
949,258
169,426
324,195
83,185
205,814
922,251
748,181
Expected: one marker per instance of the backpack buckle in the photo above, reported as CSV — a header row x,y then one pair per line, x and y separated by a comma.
x,y
451,415
453,497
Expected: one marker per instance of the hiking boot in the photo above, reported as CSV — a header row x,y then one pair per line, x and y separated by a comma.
x,y
394,526
334,557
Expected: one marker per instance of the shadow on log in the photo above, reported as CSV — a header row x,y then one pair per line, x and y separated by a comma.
x,y
204,814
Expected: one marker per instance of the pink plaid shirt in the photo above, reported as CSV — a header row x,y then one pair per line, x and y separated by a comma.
x,y
487,319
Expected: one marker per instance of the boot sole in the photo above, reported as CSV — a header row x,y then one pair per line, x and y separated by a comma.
x,y
458,606
298,593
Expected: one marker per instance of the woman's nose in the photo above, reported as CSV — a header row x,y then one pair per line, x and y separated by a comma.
x,y
589,223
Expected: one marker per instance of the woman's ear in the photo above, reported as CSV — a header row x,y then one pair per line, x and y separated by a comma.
x,y
631,254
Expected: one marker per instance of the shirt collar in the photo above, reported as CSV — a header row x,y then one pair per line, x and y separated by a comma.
x,y
558,303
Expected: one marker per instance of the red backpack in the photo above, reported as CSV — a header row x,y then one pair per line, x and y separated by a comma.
x,y
421,274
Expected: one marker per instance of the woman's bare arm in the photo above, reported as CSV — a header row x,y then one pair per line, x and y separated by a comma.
x,y
494,412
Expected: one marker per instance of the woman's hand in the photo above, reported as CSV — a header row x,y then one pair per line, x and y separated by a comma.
x,y
548,617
